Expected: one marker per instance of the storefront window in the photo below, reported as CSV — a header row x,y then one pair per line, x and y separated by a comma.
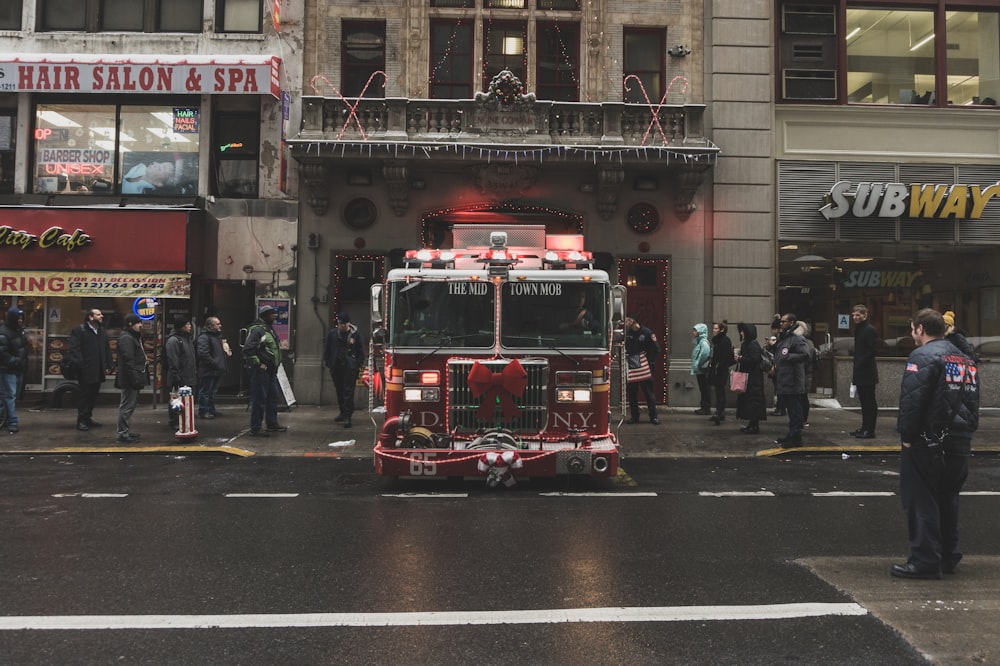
x,y
108,149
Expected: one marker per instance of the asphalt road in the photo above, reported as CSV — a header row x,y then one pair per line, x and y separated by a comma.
x,y
217,560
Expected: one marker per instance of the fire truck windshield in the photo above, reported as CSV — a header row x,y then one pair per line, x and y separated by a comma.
x,y
561,315
453,313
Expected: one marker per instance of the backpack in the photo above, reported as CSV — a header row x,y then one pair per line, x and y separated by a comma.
x,y
766,359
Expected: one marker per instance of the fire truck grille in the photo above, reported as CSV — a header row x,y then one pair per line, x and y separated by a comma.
x,y
464,407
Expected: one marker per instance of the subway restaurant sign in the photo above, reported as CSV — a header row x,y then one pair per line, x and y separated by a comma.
x,y
76,283
917,201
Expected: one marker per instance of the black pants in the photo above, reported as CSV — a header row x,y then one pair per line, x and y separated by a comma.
x,y
796,417
930,481
344,380
632,391
719,383
869,407
705,389
86,401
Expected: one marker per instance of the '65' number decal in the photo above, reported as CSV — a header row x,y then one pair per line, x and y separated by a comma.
x,y
423,464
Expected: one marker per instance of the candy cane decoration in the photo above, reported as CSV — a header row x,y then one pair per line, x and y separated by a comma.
x,y
497,467
655,113
353,108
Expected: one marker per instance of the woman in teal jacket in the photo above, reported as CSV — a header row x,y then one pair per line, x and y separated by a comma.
x,y
701,356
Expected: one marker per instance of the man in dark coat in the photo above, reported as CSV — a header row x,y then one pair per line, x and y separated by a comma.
x,y
640,340
938,413
133,375
718,368
790,357
13,362
90,352
211,366
865,376
181,362
751,404
343,354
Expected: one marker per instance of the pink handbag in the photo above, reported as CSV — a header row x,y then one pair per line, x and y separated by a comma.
x,y
738,381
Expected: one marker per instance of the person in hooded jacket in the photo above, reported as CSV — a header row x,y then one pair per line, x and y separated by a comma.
x,y
803,329
752,403
13,363
718,368
701,356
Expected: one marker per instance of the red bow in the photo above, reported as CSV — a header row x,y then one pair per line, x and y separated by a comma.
x,y
510,381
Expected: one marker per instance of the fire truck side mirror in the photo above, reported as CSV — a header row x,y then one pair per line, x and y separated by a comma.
x,y
617,303
379,336
376,309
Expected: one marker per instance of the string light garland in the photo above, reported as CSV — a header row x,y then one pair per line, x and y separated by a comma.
x,y
340,268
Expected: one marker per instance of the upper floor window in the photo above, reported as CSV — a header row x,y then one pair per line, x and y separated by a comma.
x,y
109,149
10,15
451,60
239,16
8,124
236,154
505,48
927,53
644,56
362,52
120,15
558,61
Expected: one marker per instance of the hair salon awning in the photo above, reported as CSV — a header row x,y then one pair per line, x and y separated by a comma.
x,y
154,74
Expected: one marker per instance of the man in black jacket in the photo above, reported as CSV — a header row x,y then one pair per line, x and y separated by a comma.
x,y
133,375
790,357
13,362
90,352
343,354
211,366
938,412
865,376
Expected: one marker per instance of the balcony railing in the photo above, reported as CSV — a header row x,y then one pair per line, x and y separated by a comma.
x,y
610,124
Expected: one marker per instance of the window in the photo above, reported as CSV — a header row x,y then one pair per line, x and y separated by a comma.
x,y
927,52
505,48
108,149
8,123
644,57
453,3
362,52
558,62
120,15
10,15
451,60
236,154
239,16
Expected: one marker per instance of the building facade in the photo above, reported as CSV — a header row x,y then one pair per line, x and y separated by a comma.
x,y
143,164
587,117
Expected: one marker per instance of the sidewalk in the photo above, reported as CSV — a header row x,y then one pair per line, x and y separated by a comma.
x,y
312,432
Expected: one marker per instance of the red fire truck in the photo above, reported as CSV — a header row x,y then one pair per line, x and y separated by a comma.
x,y
496,357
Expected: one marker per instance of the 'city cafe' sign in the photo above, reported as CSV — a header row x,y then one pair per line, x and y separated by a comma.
x,y
919,201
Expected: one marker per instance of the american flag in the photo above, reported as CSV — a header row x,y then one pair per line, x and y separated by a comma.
x,y
911,367
954,370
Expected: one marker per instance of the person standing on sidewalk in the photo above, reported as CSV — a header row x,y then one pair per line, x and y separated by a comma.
x,y
181,362
90,352
718,369
262,355
938,413
640,343
701,357
344,354
751,404
133,375
212,358
865,375
790,358
13,363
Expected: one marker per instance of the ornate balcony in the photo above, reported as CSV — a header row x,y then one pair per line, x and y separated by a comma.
x,y
515,129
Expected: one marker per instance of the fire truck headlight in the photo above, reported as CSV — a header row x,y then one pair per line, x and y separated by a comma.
x,y
417,394
572,395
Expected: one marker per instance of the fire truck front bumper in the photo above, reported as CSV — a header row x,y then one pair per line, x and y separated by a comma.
x,y
502,465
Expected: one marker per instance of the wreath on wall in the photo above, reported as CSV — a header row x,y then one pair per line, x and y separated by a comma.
x,y
643,218
506,90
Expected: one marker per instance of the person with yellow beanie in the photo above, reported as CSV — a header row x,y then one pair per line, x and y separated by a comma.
x,y
957,337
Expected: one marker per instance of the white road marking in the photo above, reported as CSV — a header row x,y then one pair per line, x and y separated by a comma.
x,y
846,493
431,618
424,495
983,493
93,495
262,495
738,493
624,494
